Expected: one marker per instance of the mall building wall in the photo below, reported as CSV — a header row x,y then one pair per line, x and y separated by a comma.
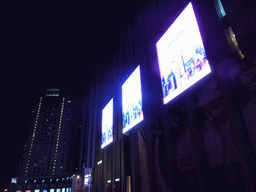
x,y
204,139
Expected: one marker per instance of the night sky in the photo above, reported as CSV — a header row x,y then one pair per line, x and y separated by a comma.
x,y
50,45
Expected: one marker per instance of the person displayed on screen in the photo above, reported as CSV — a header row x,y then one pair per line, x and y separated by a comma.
x,y
200,57
163,81
172,75
139,108
124,120
103,138
169,82
165,88
127,118
199,65
189,71
110,132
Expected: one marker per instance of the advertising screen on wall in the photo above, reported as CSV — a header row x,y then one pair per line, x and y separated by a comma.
x,y
181,55
132,101
107,124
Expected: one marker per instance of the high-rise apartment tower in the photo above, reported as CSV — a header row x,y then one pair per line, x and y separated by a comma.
x,y
51,152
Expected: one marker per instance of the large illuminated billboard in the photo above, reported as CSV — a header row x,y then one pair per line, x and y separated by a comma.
x,y
132,101
107,124
181,55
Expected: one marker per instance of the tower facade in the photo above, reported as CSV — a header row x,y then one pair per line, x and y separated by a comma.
x,y
51,152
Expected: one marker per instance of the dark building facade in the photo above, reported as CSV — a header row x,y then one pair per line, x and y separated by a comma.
x,y
51,152
203,139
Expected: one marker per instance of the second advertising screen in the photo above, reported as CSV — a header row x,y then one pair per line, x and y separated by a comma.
x,y
132,101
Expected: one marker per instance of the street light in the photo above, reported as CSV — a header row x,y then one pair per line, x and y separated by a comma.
x,y
77,177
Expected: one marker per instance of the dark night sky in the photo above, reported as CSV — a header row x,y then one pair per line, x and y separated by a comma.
x,y
50,45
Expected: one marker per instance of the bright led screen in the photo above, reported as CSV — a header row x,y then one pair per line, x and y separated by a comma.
x,y
132,101
107,124
181,55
